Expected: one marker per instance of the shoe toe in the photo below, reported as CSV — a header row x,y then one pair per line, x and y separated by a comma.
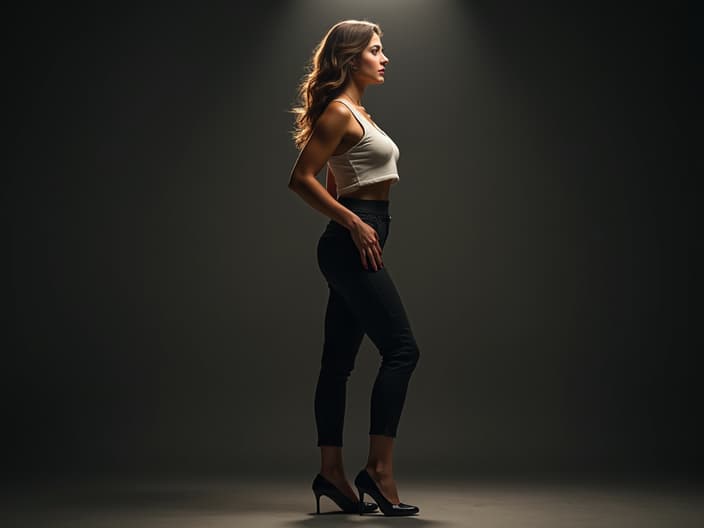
x,y
406,508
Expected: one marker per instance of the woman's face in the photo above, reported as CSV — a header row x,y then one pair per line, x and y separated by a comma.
x,y
372,61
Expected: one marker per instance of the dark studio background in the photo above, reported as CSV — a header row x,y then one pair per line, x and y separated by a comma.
x,y
165,305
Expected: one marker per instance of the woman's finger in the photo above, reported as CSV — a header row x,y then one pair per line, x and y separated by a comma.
x,y
370,252
379,260
372,257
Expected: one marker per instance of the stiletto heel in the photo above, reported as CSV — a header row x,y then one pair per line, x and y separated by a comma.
x,y
365,484
322,486
361,500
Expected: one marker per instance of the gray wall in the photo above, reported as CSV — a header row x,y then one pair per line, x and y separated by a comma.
x,y
166,305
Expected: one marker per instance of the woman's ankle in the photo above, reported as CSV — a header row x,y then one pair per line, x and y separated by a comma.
x,y
332,472
379,470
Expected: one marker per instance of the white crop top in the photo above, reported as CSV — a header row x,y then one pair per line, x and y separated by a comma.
x,y
372,159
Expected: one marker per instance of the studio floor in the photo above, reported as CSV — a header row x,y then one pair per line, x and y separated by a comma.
x,y
228,502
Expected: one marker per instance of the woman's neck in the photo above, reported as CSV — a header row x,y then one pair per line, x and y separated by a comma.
x,y
354,94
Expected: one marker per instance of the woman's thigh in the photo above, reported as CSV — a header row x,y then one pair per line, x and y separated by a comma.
x,y
375,301
343,331
371,295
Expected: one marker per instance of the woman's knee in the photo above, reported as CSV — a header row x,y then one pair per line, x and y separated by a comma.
x,y
404,355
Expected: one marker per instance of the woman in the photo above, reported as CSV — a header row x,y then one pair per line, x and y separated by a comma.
x,y
333,127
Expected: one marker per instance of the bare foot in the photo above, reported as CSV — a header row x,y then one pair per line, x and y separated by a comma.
x,y
340,482
386,483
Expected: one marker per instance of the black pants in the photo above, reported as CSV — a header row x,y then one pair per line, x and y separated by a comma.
x,y
361,301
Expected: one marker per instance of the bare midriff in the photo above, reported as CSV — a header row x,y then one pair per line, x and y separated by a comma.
x,y
372,191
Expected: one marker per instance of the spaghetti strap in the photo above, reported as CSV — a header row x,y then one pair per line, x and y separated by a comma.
x,y
358,114
348,105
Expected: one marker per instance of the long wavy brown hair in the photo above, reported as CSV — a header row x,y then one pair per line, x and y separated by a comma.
x,y
328,71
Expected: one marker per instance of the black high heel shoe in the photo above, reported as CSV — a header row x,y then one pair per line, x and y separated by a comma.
x,y
322,486
365,484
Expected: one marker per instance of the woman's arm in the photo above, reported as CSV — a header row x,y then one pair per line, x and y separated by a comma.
x,y
326,136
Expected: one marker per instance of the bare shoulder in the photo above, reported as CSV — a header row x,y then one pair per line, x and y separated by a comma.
x,y
339,108
329,131
335,119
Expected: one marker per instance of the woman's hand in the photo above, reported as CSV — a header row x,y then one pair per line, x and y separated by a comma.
x,y
366,239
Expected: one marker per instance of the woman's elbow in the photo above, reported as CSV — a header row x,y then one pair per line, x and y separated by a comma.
x,y
297,180
294,180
